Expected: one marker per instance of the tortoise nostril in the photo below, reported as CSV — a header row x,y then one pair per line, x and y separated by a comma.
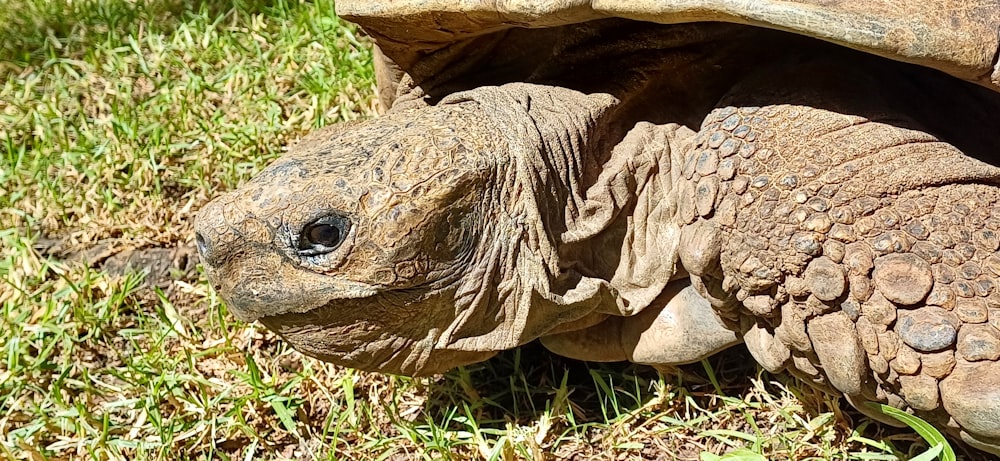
x,y
202,244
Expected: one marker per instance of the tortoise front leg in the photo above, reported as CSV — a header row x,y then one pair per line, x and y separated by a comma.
x,y
862,249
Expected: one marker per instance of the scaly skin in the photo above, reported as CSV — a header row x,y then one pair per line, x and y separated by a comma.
x,y
414,224
818,210
849,245
451,219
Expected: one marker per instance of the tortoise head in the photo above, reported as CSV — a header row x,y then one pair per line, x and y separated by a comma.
x,y
421,240
352,245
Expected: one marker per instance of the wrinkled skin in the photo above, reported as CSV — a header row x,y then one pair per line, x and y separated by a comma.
x,y
438,264
836,215
410,236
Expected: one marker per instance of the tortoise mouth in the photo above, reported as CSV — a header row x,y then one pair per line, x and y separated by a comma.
x,y
345,332
369,335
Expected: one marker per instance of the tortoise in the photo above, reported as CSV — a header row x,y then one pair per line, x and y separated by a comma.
x,y
652,182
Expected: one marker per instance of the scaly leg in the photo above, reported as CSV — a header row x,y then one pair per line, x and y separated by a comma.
x,y
861,247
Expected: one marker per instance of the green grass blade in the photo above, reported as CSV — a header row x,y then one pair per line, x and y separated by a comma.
x,y
284,415
929,433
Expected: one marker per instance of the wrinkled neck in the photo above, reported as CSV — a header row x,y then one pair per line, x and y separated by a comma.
x,y
627,232
556,141
519,288
588,200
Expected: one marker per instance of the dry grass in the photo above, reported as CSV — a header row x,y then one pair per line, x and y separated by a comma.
x,y
120,118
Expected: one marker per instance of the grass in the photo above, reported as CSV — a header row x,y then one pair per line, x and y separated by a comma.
x,y
118,120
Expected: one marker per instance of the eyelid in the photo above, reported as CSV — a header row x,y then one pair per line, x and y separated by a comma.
x,y
309,249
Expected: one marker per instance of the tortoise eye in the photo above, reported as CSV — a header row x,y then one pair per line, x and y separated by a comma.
x,y
323,235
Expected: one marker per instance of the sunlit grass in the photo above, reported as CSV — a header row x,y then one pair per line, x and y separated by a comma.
x,y
118,120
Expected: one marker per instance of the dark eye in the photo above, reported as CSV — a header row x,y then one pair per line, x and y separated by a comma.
x,y
323,235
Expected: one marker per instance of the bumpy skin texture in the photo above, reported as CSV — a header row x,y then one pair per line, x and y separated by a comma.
x,y
461,241
827,208
342,305
858,254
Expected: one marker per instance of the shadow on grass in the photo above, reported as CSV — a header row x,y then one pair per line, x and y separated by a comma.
x,y
33,31
522,384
